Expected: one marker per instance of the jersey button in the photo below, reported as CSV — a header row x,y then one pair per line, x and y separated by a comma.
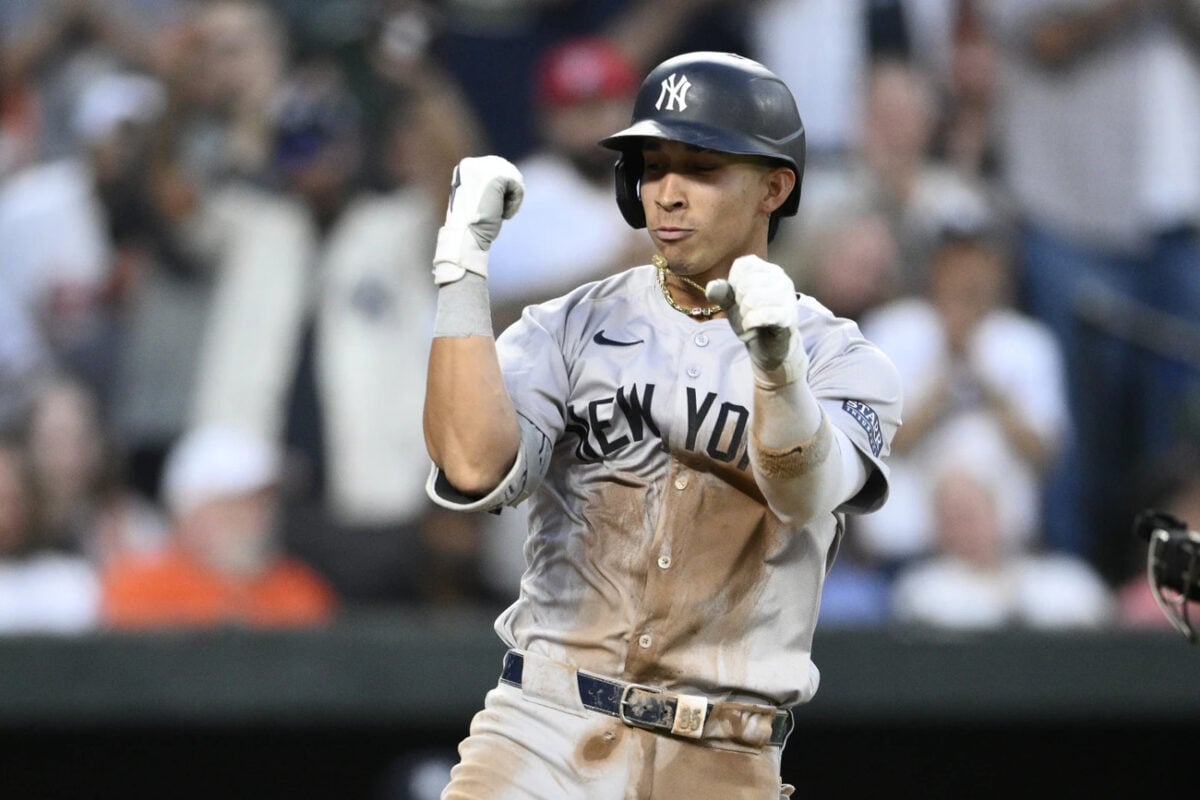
x,y
644,641
664,562
701,339
681,482
693,371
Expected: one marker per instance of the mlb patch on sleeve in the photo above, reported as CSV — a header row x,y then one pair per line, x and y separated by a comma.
x,y
865,416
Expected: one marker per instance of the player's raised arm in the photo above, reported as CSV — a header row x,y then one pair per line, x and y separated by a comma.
x,y
471,428
802,464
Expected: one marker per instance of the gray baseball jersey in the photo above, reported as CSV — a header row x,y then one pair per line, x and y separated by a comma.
x,y
652,555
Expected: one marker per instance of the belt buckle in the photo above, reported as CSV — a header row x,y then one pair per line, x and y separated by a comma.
x,y
621,715
689,714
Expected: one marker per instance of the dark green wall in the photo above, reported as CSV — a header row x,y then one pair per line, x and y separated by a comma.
x,y
325,713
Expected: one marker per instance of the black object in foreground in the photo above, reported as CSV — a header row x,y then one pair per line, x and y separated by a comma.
x,y
1172,565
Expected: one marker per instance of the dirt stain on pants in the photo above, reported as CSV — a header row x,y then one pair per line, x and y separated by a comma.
x,y
521,750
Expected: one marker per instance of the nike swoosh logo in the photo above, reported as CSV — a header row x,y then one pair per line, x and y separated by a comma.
x,y
600,338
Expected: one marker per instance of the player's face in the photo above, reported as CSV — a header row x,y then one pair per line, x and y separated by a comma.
x,y
705,208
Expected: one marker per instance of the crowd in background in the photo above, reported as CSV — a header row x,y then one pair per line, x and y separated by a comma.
x,y
217,218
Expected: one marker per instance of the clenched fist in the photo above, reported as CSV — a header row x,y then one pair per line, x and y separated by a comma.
x,y
760,301
483,192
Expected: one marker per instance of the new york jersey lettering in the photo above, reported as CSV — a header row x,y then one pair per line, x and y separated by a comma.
x,y
606,425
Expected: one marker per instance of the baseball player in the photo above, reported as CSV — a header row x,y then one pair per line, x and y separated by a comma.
x,y
689,434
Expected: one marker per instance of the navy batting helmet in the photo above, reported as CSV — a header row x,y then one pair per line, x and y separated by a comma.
x,y
718,101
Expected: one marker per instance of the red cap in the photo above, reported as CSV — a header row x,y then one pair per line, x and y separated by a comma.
x,y
584,69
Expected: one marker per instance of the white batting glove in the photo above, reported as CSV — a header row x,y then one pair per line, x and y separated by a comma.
x,y
483,192
759,300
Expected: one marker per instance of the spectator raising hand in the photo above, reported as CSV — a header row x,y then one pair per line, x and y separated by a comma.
x,y
976,371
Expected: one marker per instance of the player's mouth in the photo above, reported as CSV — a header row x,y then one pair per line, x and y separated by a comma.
x,y
669,233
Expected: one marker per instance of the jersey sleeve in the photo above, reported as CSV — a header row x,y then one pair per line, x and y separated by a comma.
x,y
859,388
535,374
533,458
533,360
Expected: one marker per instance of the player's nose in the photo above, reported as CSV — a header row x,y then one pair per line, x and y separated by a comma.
x,y
671,194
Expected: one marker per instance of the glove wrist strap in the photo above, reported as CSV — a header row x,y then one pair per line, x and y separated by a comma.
x,y
456,254
793,368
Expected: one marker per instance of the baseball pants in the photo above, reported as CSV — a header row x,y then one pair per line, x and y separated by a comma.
x,y
522,749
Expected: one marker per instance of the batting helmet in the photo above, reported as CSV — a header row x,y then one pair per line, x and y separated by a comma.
x,y
718,101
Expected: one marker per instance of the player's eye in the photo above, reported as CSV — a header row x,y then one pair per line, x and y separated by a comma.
x,y
704,166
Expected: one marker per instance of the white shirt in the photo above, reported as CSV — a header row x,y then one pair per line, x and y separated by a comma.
x,y
53,236
1018,357
367,283
48,593
1105,148
1052,591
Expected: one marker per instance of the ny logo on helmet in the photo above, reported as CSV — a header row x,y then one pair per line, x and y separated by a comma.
x,y
674,92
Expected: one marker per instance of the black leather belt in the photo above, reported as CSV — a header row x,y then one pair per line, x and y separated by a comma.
x,y
637,705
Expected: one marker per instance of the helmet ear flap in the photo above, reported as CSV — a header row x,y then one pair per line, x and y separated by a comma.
x,y
628,173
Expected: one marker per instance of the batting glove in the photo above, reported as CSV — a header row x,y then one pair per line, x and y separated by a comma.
x,y
759,300
484,192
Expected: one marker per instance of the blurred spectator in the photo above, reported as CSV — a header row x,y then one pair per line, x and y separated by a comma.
x,y
569,230
823,49
945,40
1097,121
20,136
892,171
42,590
965,138
51,51
935,30
493,48
329,286
219,66
91,262
979,578
57,256
224,565
977,373
224,66
425,121
849,260
84,506
1170,484
24,358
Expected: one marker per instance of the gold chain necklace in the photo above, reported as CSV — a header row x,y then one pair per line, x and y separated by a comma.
x,y
660,265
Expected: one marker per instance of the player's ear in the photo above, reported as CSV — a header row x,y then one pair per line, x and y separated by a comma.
x,y
778,182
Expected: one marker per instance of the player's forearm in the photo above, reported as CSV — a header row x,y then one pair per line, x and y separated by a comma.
x,y
797,463
470,424
793,453
471,428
